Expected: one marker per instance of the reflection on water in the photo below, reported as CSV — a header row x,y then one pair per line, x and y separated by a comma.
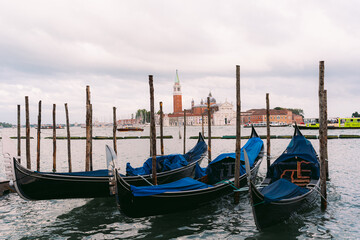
x,y
100,218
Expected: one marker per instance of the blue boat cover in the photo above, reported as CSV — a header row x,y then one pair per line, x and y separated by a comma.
x,y
96,173
169,162
199,171
282,189
298,149
177,186
163,163
196,152
221,164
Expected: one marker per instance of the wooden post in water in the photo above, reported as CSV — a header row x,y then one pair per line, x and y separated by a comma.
x,y
54,137
161,129
38,139
184,131
91,125
326,137
202,123
152,130
28,159
238,136
209,129
18,133
114,129
267,131
68,137
87,121
322,138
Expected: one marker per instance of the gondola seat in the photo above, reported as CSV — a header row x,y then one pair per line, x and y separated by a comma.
x,y
295,170
297,175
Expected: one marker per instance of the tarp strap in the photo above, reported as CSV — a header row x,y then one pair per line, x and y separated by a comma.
x,y
229,183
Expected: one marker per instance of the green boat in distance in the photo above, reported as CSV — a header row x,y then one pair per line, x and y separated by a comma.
x,y
339,123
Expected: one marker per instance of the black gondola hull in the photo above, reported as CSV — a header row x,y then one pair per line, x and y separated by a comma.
x,y
37,186
32,185
268,214
171,202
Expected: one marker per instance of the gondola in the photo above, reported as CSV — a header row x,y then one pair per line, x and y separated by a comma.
x,y
291,184
187,193
33,185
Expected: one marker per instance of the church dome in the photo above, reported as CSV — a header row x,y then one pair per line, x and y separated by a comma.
x,y
212,100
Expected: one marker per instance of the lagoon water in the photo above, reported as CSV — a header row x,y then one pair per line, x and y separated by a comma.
x,y
100,218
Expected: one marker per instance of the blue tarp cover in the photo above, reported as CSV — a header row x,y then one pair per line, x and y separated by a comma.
x,y
96,173
282,189
169,162
196,152
180,185
253,147
301,149
199,171
163,163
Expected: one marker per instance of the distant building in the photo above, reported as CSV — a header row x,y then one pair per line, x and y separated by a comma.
x,y
177,95
225,115
282,116
221,114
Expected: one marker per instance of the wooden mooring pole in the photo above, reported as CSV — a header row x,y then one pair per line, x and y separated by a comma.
x,y
161,129
153,130
68,137
54,137
28,159
326,146
184,131
114,130
202,123
267,131
209,129
238,136
18,133
88,136
322,135
38,139
91,135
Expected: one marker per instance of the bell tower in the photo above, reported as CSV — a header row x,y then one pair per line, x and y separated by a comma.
x,y
177,96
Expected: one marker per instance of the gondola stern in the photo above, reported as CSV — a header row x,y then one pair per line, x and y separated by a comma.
x,y
297,130
16,165
253,132
201,138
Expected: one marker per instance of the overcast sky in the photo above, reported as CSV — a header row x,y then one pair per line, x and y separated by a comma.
x,y
50,51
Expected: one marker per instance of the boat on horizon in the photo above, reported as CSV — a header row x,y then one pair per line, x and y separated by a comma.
x,y
338,123
128,129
